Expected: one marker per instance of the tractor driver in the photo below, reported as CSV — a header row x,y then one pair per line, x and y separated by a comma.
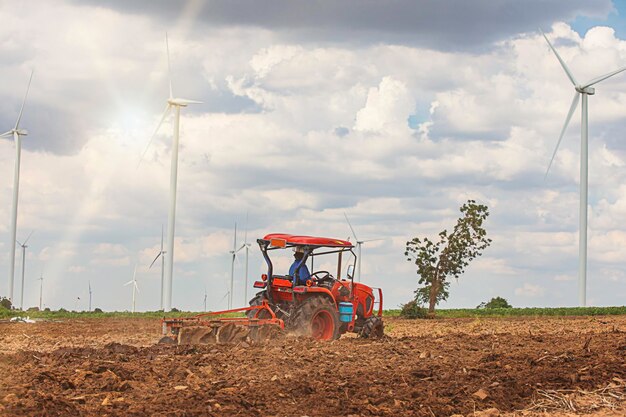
x,y
298,269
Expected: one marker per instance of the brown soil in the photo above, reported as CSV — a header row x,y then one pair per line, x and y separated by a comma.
x,y
468,367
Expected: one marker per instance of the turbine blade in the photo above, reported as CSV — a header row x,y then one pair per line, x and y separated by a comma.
x,y
18,242
155,259
225,295
569,117
167,109
128,283
31,233
186,101
240,248
136,286
169,70
245,235
7,134
567,71
351,228
372,240
603,77
19,117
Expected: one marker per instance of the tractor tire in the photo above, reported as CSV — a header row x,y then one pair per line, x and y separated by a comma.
x,y
257,300
373,328
318,318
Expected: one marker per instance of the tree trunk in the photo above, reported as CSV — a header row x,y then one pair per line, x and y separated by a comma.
x,y
434,291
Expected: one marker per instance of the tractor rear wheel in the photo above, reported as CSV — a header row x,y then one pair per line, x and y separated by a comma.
x,y
257,300
318,318
373,328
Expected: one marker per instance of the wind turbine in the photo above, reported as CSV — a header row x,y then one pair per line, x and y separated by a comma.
x,y
245,245
89,282
225,295
17,134
24,246
135,286
583,90
232,269
161,253
40,291
359,243
176,104
205,295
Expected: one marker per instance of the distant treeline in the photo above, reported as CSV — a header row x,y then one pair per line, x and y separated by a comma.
x,y
519,312
449,313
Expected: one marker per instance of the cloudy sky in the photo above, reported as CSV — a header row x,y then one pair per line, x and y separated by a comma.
x,y
393,112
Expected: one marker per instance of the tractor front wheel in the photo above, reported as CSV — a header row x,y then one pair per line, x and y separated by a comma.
x,y
317,317
373,328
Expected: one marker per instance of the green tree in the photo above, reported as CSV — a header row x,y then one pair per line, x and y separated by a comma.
x,y
495,302
5,303
439,260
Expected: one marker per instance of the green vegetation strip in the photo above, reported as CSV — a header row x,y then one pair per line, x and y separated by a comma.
x,y
64,314
451,313
521,312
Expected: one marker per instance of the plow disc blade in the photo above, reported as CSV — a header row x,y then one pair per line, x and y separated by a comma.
x,y
200,330
228,333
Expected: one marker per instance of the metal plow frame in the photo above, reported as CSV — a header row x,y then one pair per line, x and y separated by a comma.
x,y
172,326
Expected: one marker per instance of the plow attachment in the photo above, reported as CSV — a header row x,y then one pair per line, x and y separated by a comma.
x,y
258,324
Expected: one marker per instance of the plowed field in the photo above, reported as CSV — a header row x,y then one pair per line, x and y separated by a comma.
x,y
468,367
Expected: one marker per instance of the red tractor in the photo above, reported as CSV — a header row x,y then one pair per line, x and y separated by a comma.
x,y
324,306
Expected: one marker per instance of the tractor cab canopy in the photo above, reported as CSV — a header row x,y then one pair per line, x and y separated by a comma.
x,y
281,240
311,246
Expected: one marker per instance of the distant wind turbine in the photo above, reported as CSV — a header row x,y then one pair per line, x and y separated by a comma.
x,y
232,269
40,291
583,90
24,246
245,246
160,254
89,283
225,295
17,134
176,104
205,296
359,243
135,286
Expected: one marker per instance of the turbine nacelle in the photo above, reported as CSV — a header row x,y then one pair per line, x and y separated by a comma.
x,y
585,90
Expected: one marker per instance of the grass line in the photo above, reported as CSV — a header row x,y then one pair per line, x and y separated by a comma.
x,y
444,313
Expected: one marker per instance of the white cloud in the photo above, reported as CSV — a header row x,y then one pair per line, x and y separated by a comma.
x,y
265,143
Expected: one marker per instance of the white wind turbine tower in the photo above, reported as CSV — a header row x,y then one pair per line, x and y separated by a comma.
x,y
160,254
24,246
359,243
89,283
17,134
135,286
245,246
40,292
176,104
232,268
583,90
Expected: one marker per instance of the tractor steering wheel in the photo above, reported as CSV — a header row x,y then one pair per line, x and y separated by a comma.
x,y
325,276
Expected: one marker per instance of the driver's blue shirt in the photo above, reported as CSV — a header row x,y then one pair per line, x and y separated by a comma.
x,y
303,272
